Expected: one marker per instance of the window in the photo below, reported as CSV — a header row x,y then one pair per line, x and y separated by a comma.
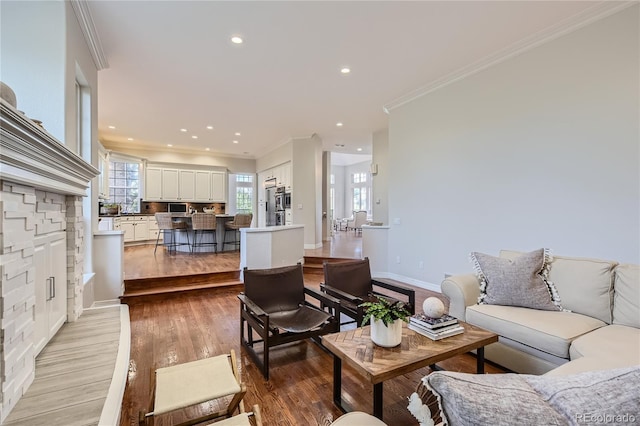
x,y
124,185
359,178
360,191
244,193
360,199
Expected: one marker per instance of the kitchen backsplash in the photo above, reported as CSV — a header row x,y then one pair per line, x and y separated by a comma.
x,y
148,207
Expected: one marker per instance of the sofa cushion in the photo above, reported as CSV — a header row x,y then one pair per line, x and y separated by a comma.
x,y
617,341
548,331
585,285
626,299
595,397
489,399
589,363
514,282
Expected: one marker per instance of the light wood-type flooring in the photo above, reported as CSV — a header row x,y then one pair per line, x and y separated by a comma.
x,y
193,325
73,373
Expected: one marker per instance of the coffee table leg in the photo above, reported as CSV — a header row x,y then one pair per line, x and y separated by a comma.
x,y
337,382
480,360
377,400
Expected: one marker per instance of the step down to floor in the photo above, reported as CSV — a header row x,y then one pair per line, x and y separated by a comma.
x,y
314,264
145,288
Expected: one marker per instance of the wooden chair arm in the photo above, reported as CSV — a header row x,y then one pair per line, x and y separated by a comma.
x,y
255,309
341,294
409,292
326,299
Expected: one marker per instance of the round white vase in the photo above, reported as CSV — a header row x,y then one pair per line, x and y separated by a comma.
x,y
386,336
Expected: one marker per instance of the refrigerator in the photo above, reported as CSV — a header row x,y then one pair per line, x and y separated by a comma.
x,y
270,206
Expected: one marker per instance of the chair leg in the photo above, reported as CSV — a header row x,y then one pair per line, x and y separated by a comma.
x,y
157,241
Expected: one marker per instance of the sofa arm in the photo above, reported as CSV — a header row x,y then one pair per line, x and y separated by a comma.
x,y
462,291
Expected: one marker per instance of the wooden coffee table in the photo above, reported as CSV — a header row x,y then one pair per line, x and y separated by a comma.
x,y
378,364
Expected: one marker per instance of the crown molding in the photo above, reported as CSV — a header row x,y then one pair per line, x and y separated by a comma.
x,y
120,147
599,11
83,14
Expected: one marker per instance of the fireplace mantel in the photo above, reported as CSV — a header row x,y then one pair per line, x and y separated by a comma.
x,y
31,156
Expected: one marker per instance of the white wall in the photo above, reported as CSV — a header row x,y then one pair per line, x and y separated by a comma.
x,y
306,172
33,59
278,156
380,157
538,151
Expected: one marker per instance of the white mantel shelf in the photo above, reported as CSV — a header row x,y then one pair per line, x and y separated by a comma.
x,y
31,156
271,247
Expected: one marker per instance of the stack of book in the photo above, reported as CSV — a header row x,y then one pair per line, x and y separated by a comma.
x,y
435,328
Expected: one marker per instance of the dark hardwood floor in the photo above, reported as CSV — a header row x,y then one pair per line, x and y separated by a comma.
x,y
198,324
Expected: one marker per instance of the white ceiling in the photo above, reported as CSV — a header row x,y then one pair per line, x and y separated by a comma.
x,y
172,65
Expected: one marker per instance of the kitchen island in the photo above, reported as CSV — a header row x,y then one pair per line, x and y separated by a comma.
x,y
203,237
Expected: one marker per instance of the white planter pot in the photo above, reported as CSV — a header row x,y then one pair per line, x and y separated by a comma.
x,y
384,336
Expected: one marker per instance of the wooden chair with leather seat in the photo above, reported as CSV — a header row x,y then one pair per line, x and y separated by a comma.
x,y
351,283
273,305
184,385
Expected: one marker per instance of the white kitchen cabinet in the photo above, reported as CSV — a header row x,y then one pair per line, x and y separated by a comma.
x,y
203,186
218,187
136,228
170,185
187,183
153,228
50,312
286,176
103,179
153,184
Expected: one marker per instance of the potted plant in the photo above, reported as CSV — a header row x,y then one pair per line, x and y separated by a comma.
x,y
386,321
111,208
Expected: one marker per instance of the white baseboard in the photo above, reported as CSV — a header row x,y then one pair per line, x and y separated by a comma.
x,y
312,246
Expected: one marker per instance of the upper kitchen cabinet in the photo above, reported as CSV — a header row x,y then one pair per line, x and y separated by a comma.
x,y
103,179
187,185
153,184
184,184
170,185
218,187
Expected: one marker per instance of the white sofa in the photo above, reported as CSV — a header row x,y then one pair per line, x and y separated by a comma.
x,y
602,330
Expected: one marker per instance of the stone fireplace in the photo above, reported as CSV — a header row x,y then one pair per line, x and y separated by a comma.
x,y
41,188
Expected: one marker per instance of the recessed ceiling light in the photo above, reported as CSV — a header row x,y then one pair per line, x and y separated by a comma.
x,y
183,130
209,127
237,133
112,127
129,139
339,124
236,40
359,149
207,149
235,141
345,70
194,137
169,144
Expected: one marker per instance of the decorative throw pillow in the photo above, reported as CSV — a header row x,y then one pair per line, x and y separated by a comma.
x,y
489,399
516,282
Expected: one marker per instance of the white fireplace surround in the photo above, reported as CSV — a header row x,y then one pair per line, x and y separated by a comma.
x,y
42,183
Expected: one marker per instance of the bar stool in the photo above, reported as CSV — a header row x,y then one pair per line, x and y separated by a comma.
x,y
240,220
167,224
203,223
